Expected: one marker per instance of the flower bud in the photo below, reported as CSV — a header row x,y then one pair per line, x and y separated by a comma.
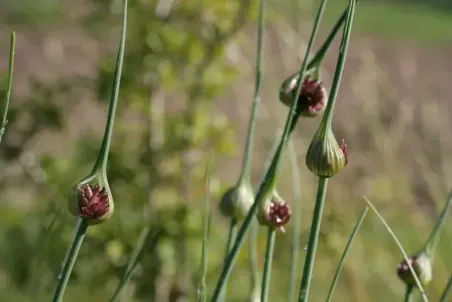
x,y
92,202
274,212
237,201
325,157
422,265
312,99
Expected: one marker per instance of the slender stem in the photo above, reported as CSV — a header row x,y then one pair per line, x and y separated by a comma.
x,y
268,264
447,290
313,240
202,288
296,220
409,293
12,50
405,256
340,63
233,228
432,241
105,147
253,266
318,58
344,254
70,261
270,176
133,261
247,158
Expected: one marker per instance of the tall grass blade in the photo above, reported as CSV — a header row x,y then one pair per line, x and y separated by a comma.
x,y
388,228
12,51
344,254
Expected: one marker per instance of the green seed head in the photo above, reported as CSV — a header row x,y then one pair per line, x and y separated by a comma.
x,y
237,201
91,199
422,265
325,157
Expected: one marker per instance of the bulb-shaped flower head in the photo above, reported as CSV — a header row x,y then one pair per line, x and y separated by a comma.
x,y
274,212
237,201
325,157
313,96
422,265
91,201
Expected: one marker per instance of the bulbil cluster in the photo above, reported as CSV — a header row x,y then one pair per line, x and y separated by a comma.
x,y
91,202
274,212
313,96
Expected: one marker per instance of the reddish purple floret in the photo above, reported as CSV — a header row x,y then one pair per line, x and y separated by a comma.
x,y
312,97
403,269
344,149
93,202
279,214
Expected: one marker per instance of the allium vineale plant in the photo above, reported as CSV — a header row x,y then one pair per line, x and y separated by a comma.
x,y
304,93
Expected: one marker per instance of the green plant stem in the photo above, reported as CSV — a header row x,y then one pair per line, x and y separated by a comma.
x,y
233,228
105,147
253,266
323,182
409,293
296,222
344,254
432,241
70,261
12,50
447,291
134,260
313,240
202,288
268,264
269,179
247,158
402,250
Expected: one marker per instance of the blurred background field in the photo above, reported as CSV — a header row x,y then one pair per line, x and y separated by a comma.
x,y
186,93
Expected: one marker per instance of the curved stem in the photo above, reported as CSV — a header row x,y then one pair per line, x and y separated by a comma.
x,y
105,147
268,264
409,293
12,50
447,290
344,254
247,158
70,261
405,256
313,240
432,241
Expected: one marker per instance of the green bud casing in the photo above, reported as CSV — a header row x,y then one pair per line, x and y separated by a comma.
x,y
325,157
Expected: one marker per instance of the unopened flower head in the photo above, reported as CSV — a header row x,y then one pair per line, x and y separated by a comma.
x,y
313,96
274,212
421,264
237,201
325,157
91,202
